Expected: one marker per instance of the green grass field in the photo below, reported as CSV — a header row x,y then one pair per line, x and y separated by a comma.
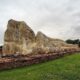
x,y
66,68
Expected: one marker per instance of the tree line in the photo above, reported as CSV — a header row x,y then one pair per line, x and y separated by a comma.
x,y
76,41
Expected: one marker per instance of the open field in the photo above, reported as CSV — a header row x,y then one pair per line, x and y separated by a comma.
x,y
66,68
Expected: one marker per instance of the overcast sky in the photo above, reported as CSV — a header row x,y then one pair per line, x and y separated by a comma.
x,y
55,18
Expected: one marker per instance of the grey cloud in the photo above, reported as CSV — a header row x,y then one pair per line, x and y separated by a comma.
x,y
77,31
56,18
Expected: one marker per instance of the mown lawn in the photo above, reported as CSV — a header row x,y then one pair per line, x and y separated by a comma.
x,y
66,68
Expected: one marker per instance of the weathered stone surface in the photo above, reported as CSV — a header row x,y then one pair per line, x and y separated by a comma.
x,y
17,38
49,45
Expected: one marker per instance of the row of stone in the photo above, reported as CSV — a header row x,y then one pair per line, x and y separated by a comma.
x,y
10,63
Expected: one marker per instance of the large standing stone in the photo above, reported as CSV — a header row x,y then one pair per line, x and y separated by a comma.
x,y
20,38
46,44
17,37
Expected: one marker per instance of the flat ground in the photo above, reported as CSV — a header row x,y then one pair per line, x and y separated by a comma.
x,y
66,68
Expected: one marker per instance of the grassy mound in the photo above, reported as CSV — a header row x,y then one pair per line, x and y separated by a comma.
x,y
66,68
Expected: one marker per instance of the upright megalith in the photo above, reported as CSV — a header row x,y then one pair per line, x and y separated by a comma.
x,y
17,38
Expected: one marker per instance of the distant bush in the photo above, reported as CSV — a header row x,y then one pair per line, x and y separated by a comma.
x,y
0,47
79,44
76,41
